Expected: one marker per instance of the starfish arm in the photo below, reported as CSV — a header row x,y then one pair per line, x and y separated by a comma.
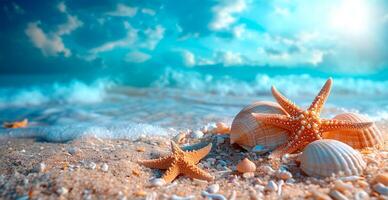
x,y
160,163
175,148
321,98
343,125
171,173
281,121
193,171
286,104
291,146
197,155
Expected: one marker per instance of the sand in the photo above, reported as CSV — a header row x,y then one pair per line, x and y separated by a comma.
x,y
94,168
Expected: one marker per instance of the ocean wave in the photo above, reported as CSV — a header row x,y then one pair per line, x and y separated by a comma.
x,y
72,92
290,85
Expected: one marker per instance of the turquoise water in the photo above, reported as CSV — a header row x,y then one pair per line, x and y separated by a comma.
x,y
61,108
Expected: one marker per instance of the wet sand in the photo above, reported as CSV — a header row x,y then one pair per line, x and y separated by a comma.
x,y
94,168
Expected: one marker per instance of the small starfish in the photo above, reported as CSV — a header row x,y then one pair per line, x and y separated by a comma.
x,y
181,162
304,126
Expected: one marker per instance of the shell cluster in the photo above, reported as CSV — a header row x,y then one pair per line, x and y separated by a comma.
x,y
323,158
247,132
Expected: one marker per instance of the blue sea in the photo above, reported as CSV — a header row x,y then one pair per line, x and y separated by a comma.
x,y
164,102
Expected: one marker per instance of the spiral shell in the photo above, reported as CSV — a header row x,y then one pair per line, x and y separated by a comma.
x,y
247,132
358,139
322,158
246,166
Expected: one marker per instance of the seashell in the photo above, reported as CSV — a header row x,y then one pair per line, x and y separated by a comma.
x,y
246,166
247,132
358,139
322,158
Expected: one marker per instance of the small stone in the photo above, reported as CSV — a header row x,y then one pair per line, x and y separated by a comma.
x,y
350,178
337,195
259,149
342,187
176,197
220,140
91,166
40,168
271,186
214,188
62,191
197,134
320,195
361,195
248,175
380,188
284,175
157,182
140,193
72,150
23,151
140,149
266,169
104,167
213,196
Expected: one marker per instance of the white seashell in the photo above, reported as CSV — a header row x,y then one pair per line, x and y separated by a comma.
x,y
247,132
322,158
104,167
337,195
369,137
157,182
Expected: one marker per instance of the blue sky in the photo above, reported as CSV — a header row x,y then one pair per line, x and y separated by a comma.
x,y
345,37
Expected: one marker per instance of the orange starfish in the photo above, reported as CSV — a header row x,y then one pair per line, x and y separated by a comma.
x,y
304,126
16,124
181,162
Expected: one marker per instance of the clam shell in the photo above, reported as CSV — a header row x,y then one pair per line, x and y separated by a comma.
x,y
246,166
369,137
322,158
247,132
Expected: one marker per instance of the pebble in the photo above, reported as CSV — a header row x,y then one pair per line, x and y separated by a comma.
x,y
140,193
280,185
266,169
271,186
104,167
157,182
214,188
72,150
179,138
380,188
259,149
152,196
91,166
381,178
197,134
220,140
320,196
361,195
337,195
213,196
176,197
62,191
284,175
342,187
233,195
40,168
350,178
248,175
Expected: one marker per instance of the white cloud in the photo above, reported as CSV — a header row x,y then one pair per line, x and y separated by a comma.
x,y
316,57
136,57
188,58
148,11
239,30
123,11
223,13
124,42
72,23
49,44
62,7
230,58
153,37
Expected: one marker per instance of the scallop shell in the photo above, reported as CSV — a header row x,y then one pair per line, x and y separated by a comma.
x,y
369,137
247,132
246,166
322,158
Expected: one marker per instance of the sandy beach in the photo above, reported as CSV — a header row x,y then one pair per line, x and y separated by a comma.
x,y
94,168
